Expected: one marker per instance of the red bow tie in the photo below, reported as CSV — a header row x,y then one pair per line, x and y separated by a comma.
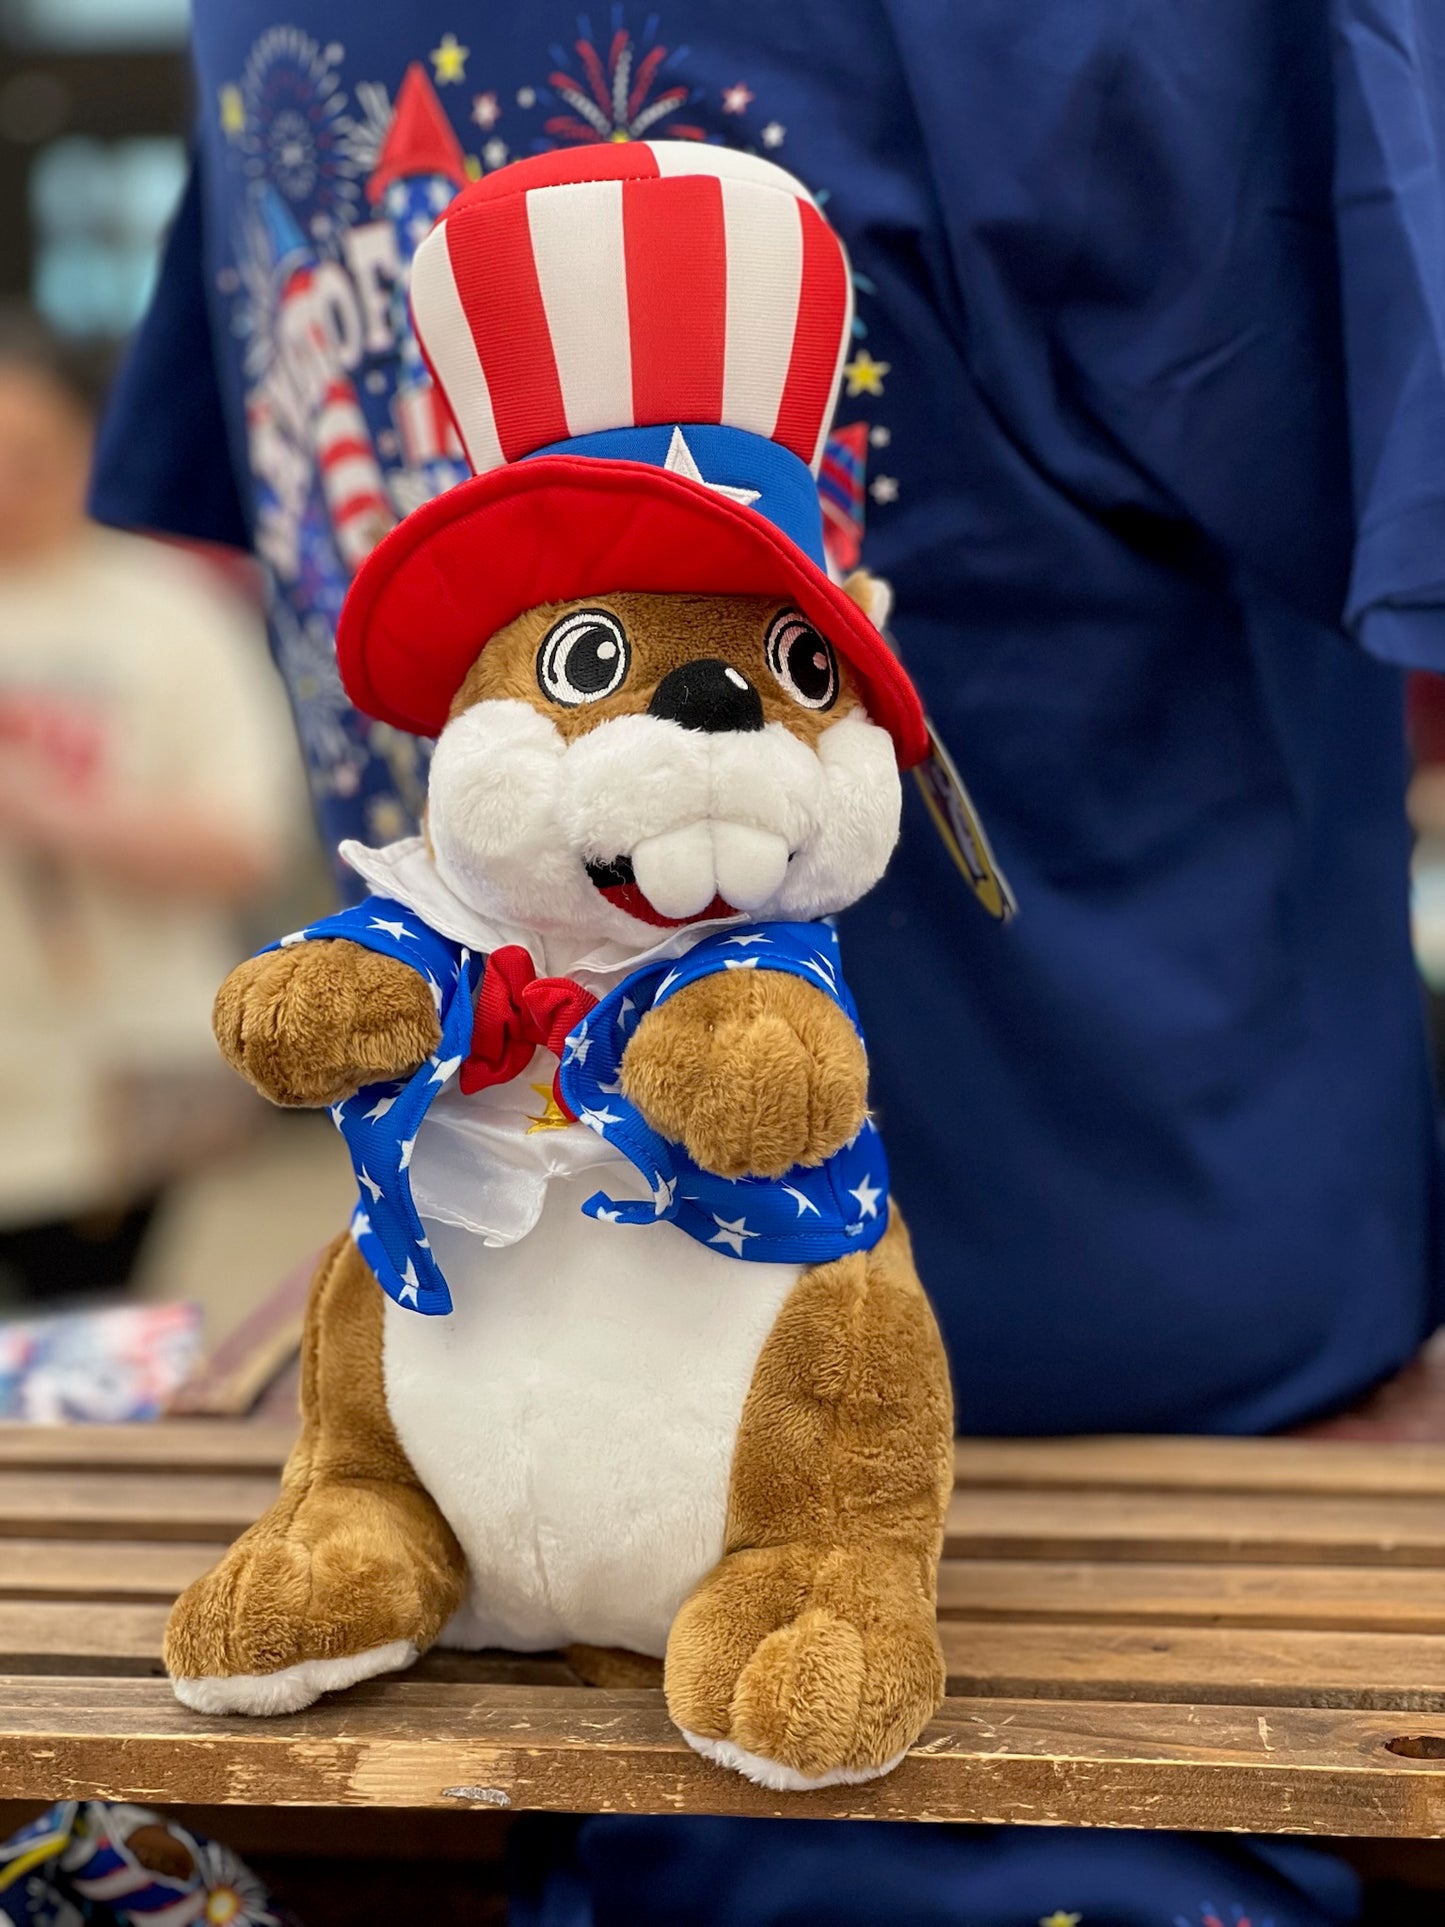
x,y
516,1011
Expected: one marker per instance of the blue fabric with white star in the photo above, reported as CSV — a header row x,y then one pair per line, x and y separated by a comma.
x,y
808,1216
768,477
812,1213
380,1123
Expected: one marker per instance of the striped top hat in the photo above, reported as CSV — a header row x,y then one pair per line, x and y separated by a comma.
x,y
640,345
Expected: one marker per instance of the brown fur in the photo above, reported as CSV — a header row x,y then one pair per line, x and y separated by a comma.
x,y
311,1024
665,631
354,1553
753,1070
813,1642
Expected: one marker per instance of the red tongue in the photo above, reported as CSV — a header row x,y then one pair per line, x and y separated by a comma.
x,y
628,897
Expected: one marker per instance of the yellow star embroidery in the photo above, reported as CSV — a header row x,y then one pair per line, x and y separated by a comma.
x,y
1061,1919
553,1117
864,375
233,110
449,59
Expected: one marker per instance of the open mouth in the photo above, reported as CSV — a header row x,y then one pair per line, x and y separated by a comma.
x,y
617,881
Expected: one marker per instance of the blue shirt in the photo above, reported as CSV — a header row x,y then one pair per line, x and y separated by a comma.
x,y
806,1217
1146,412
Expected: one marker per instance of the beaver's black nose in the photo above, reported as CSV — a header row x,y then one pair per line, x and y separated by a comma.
x,y
707,695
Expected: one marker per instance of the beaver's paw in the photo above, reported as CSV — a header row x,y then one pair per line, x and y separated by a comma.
x,y
313,1023
753,1071
355,1580
800,1680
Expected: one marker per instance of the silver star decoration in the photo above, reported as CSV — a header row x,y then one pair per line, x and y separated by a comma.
x,y
681,461
774,134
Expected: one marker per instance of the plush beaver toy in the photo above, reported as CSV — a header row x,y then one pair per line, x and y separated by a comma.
x,y
624,1348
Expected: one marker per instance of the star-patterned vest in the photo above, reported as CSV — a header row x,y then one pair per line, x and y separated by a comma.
x,y
808,1216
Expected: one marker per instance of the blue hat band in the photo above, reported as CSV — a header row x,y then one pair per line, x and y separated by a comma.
x,y
726,458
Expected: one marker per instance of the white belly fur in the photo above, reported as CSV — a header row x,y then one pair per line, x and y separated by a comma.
x,y
574,1417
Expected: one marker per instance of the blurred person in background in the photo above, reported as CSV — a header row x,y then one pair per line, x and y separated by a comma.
x,y
146,786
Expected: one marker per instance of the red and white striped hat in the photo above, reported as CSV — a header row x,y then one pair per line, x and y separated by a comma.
x,y
640,345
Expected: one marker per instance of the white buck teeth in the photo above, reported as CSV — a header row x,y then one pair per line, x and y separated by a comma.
x,y
749,864
681,871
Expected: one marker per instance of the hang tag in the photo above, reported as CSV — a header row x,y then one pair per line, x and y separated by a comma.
x,y
959,824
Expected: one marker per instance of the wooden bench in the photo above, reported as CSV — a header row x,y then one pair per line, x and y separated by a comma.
x,y
1202,1634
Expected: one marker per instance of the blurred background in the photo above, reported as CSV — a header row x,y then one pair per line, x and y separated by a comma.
x,y
136,863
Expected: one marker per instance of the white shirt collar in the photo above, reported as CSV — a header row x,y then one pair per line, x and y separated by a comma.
x,y
405,872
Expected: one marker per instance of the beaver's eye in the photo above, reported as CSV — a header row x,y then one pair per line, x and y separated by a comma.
x,y
803,661
583,657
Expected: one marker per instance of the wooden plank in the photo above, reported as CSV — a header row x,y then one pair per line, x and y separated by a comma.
x,y
46,1504
1236,1527
170,1445
113,1569
1166,1464
53,1636
408,1744
1205,1464
124,1641
1393,1599
1268,1667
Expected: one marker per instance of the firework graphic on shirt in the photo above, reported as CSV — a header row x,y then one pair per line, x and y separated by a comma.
x,y
619,89
289,114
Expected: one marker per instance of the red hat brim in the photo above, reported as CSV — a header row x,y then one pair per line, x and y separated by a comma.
x,y
455,571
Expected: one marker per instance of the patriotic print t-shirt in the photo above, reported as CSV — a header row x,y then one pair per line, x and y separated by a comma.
x,y
1142,414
